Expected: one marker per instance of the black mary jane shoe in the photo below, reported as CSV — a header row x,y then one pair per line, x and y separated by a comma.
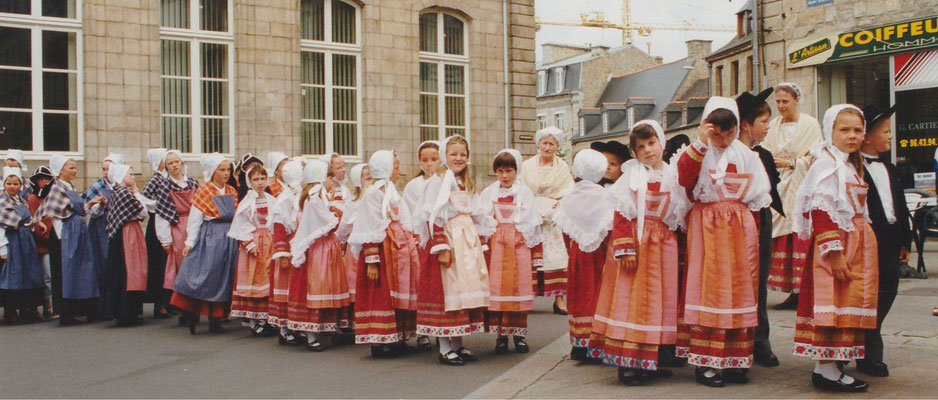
x,y
791,303
192,320
289,340
558,310
637,378
713,381
315,346
736,376
452,358
382,351
466,355
820,382
578,354
765,359
214,326
160,313
501,345
423,343
521,346
873,368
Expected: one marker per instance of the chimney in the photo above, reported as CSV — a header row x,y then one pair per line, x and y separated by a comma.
x,y
699,49
599,51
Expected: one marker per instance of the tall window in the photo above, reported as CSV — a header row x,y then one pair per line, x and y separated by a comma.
x,y
40,83
444,76
541,82
541,122
718,81
559,75
330,77
560,120
749,73
196,66
734,78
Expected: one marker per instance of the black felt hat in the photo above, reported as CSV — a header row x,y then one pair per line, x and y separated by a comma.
x,y
748,102
598,146
873,114
41,172
619,149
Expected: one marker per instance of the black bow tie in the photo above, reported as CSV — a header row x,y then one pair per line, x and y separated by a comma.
x,y
872,159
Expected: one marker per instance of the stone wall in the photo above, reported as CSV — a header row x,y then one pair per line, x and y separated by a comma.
x,y
554,52
596,73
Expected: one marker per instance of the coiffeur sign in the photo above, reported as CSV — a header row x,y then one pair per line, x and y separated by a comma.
x,y
893,38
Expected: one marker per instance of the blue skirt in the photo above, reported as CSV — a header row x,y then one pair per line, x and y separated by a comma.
x,y
21,270
97,231
79,280
207,272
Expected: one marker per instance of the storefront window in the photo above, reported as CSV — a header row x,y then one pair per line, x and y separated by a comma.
x,y
859,83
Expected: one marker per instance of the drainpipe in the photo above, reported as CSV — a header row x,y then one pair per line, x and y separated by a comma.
x,y
756,30
507,84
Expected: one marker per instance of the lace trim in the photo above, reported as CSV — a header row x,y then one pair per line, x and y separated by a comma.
x,y
828,247
375,236
532,236
298,249
588,241
821,200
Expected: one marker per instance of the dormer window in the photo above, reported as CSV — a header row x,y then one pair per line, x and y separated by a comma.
x,y
541,83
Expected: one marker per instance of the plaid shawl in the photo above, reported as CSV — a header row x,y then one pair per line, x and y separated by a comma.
x,y
98,188
122,208
56,205
9,218
159,188
202,199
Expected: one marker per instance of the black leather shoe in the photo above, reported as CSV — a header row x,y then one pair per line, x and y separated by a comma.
x,y
713,381
637,378
578,354
382,351
451,358
466,355
791,303
736,376
521,346
501,345
558,310
765,359
214,326
193,320
289,340
71,321
423,343
820,382
315,346
873,368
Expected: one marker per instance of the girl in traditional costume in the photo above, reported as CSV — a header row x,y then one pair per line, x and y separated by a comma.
x,y
284,219
548,176
360,178
125,279
251,228
75,287
512,229
319,295
428,154
97,224
454,283
585,216
172,192
727,184
40,185
156,254
790,138
21,277
839,290
275,161
386,305
636,311
206,275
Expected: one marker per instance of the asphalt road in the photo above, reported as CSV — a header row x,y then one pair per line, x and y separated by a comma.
x,y
161,360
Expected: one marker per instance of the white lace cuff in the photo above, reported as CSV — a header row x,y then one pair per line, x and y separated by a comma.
x,y
830,246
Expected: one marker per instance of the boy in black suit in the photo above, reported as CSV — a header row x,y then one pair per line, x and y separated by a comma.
x,y
890,216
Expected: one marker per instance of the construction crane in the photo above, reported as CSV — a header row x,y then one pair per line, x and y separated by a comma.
x,y
596,19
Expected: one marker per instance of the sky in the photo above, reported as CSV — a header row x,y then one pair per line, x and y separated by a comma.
x,y
667,44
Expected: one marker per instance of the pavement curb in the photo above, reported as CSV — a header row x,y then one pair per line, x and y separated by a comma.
x,y
514,381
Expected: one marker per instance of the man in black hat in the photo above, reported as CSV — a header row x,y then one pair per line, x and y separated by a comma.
x,y
890,216
616,154
754,113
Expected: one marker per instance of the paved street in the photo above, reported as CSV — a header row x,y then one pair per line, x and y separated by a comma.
x,y
162,360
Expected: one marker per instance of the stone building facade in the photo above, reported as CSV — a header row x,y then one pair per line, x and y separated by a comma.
x,y
731,66
305,77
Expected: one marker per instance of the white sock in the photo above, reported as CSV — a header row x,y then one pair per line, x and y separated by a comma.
x,y
830,372
284,331
445,345
711,372
423,340
632,372
310,337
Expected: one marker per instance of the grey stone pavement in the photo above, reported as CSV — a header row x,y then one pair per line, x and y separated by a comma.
x,y
161,360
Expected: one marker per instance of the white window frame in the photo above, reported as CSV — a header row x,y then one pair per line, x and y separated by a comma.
x,y
541,121
196,37
560,120
330,48
605,121
441,59
630,114
559,81
541,82
37,23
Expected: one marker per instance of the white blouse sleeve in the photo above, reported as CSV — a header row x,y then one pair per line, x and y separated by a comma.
x,y
194,225
163,230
